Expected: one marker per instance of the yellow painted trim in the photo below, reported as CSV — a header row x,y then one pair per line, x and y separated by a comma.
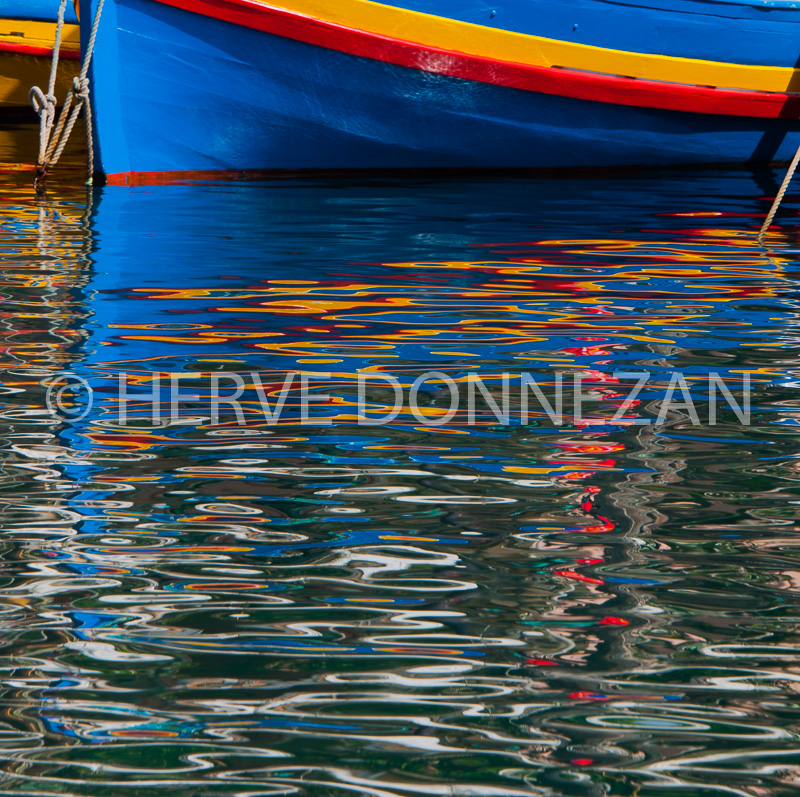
x,y
38,34
502,45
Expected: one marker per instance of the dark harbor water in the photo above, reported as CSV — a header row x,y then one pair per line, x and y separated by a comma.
x,y
201,608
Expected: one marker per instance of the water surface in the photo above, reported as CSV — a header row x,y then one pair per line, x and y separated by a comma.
x,y
201,608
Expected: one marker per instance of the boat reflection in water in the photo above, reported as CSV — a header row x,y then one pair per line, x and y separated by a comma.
x,y
398,609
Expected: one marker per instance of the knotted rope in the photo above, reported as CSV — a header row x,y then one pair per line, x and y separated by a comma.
x,y
779,198
53,137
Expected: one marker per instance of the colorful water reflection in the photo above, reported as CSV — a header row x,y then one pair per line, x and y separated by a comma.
x,y
530,609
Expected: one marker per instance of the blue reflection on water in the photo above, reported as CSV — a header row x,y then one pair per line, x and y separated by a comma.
x,y
220,607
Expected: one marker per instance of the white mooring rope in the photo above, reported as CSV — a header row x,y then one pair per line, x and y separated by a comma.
x,y
779,198
52,141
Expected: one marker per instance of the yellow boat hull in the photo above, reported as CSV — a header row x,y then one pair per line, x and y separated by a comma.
x,y
25,54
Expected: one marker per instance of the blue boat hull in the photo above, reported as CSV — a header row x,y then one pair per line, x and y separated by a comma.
x,y
176,91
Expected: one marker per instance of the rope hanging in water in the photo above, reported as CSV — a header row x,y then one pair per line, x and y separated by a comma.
x,y
781,193
52,141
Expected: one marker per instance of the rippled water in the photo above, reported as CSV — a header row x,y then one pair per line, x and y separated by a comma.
x,y
602,608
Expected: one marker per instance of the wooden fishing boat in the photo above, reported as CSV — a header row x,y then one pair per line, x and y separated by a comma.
x,y
27,34
205,86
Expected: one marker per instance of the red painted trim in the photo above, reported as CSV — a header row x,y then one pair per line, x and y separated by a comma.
x,y
29,49
171,178
249,175
546,80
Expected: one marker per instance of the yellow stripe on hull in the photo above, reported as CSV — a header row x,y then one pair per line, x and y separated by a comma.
x,y
39,34
502,45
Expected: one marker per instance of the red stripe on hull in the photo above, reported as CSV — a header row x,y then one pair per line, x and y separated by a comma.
x,y
171,178
29,49
546,80
250,175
